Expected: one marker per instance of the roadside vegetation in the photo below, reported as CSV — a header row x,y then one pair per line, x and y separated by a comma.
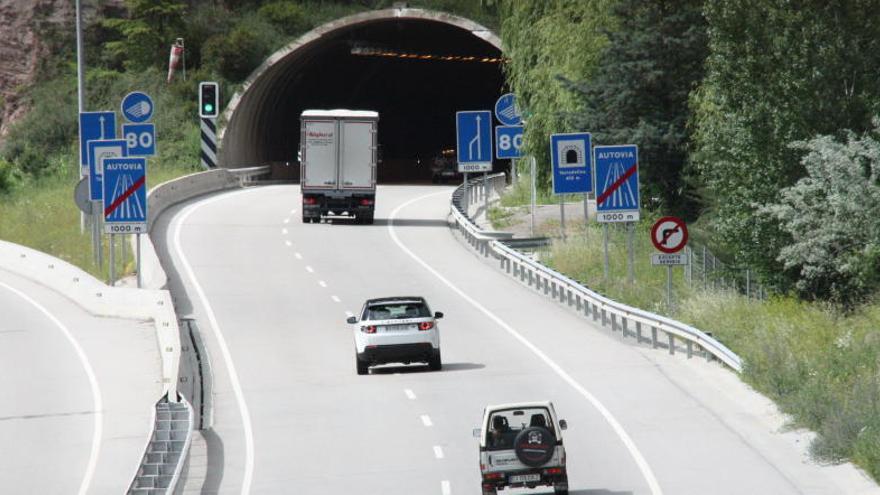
x,y
756,122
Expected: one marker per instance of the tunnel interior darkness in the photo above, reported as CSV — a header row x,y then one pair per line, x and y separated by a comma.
x,y
416,98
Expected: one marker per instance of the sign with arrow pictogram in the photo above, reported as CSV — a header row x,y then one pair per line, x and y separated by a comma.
x,y
669,234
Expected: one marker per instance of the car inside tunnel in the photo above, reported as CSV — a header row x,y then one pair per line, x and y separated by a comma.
x,y
415,72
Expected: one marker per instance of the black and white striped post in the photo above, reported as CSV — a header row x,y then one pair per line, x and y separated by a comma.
x,y
209,109
209,143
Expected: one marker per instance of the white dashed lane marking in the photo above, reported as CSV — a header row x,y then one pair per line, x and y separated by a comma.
x,y
288,243
284,231
335,299
349,314
287,220
298,256
322,283
445,489
438,452
409,394
426,420
310,269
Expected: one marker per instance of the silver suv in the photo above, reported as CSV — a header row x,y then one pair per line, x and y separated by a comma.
x,y
521,446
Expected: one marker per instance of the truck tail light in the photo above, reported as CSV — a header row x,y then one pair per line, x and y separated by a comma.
x,y
369,329
366,202
426,325
555,470
308,200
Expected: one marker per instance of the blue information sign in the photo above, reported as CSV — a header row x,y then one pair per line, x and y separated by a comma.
x,y
506,110
94,125
140,139
508,141
125,195
473,131
617,183
99,151
137,107
571,157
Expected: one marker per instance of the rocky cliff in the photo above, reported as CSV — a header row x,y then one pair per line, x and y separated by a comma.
x,y
28,31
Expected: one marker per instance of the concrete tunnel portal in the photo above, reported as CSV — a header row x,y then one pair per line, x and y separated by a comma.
x,y
415,67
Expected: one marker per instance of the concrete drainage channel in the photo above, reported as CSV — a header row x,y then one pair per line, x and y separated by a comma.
x,y
175,417
631,322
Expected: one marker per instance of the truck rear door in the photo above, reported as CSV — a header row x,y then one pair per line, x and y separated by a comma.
x,y
319,154
358,147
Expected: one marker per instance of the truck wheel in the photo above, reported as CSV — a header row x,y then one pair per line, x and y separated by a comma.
x,y
435,363
368,219
362,366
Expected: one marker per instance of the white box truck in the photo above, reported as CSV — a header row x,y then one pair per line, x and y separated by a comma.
x,y
338,155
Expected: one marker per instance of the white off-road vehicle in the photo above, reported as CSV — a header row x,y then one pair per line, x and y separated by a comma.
x,y
521,446
396,330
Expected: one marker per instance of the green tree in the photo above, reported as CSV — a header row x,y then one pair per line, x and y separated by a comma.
x,y
777,72
831,216
145,36
543,41
640,91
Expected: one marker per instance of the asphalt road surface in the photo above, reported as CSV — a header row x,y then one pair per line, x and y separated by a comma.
x,y
290,415
76,394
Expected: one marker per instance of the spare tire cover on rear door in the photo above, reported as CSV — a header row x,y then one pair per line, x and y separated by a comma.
x,y
534,446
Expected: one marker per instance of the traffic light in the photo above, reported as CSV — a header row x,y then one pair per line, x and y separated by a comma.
x,y
209,100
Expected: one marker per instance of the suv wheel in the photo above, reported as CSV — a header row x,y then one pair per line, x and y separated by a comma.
x,y
561,486
435,363
489,490
362,366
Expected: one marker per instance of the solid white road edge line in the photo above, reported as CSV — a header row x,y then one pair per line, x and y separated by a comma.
x,y
426,420
409,394
637,456
445,489
438,452
218,334
93,384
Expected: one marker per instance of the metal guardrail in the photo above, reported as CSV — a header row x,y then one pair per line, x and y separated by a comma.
x,y
163,461
591,304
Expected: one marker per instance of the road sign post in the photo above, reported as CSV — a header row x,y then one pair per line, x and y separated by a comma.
x,y
534,191
669,235
473,131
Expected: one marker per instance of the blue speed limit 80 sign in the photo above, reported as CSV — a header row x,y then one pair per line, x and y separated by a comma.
x,y
508,141
140,139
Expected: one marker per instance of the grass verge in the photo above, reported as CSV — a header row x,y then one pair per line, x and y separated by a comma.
x,y
42,215
820,365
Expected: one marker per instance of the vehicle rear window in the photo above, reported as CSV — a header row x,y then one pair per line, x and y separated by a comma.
x,y
396,311
506,424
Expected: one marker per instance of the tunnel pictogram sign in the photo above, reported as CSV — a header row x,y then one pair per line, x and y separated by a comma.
x,y
572,158
669,234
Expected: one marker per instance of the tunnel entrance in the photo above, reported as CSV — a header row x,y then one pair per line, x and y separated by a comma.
x,y
415,67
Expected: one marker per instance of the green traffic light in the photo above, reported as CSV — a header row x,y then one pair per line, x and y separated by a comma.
x,y
209,108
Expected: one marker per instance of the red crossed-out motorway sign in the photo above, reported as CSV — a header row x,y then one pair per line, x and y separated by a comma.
x,y
669,234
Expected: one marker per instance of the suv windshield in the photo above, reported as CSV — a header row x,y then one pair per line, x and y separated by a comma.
x,y
396,311
504,425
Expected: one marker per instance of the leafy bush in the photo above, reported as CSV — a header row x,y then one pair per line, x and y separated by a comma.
x,y
289,17
831,218
236,55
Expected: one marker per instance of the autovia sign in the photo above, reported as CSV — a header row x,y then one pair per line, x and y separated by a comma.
x,y
617,183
